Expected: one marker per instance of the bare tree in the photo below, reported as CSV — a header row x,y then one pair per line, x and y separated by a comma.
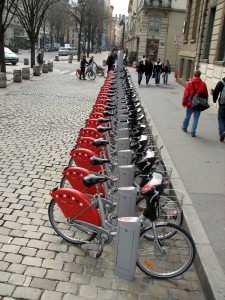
x,y
89,15
31,14
57,22
7,11
78,12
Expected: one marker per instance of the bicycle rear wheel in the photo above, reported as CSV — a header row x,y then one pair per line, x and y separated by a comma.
x,y
66,230
91,75
178,251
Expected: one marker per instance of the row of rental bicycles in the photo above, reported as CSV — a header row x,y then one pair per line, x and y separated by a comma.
x,y
84,209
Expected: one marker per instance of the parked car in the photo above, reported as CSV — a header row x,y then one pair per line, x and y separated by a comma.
x,y
63,51
10,57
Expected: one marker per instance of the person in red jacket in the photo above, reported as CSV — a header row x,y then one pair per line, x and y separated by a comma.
x,y
196,85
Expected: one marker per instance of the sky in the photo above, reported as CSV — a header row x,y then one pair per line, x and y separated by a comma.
x,y
120,6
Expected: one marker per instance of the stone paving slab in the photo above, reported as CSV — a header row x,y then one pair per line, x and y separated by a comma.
x,y
39,122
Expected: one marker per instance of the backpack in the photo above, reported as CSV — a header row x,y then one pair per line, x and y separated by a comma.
x,y
222,95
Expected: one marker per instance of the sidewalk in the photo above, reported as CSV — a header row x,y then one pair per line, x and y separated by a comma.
x,y
199,171
39,122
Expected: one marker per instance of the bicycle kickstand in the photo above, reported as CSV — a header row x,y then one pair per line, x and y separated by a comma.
x,y
100,250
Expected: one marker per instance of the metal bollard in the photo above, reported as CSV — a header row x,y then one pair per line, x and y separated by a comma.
x,y
126,205
25,73
17,76
126,175
56,58
127,239
124,157
123,144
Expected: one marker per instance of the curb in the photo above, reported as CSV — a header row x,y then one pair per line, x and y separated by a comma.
x,y
210,273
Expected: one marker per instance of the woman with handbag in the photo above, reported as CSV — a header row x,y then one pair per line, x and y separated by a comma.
x,y
195,86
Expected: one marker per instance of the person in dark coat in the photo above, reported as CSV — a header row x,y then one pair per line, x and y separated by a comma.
x,y
148,69
83,64
195,86
110,61
158,68
219,92
166,71
141,70
40,58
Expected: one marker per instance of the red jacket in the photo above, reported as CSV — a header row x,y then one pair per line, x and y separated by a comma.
x,y
200,88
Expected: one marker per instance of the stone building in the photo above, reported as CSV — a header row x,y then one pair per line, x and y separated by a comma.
x,y
204,42
155,28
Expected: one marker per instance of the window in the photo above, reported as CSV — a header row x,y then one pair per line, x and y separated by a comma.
x,y
209,32
154,24
188,16
195,23
221,50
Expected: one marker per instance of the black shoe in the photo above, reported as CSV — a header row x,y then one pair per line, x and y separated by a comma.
x,y
222,137
184,129
193,134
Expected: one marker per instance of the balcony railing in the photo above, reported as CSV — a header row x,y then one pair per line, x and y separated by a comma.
x,y
158,3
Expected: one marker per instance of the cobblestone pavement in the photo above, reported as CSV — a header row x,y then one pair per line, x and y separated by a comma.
x,y
39,121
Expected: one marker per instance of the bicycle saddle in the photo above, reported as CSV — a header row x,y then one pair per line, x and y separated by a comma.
x,y
109,107
103,120
98,161
92,179
100,142
103,129
107,114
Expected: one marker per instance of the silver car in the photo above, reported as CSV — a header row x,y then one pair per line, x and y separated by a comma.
x,y
63,51
10,57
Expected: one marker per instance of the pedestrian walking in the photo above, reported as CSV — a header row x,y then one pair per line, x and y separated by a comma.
x,y
219,93
110,61
140,70
148,69
90,64
40,57
158,68
143,59
83,64
166,71
195,86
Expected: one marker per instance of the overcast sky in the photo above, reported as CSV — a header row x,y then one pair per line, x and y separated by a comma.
x,y
120,6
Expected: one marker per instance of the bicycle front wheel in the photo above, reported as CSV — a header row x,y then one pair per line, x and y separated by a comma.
x,y
175,255
65,229
91,75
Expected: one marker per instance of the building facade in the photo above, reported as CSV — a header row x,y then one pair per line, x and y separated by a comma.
x,y
155,28
204,42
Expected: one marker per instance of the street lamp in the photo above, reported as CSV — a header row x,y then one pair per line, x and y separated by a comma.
x,y
82,5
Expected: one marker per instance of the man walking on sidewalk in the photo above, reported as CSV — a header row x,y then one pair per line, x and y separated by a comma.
x,y
195,86
220,91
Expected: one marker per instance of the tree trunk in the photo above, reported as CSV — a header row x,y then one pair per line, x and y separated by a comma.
x,y
2,54
79,46
32,49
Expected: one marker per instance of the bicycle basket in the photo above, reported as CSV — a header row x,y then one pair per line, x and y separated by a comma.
x,y
170,204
